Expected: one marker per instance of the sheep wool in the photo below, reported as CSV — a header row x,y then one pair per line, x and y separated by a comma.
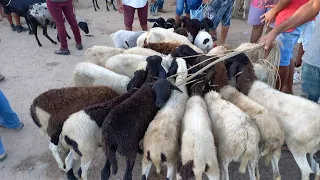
x,y
88,74
236,134
125,39
204,41
99,55
160,142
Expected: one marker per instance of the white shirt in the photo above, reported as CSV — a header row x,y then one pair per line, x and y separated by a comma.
x,y
135,3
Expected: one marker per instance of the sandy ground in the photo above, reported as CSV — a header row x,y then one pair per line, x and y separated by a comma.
x,y
31,70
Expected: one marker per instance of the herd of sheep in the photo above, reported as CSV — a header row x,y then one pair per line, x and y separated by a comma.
x,y
124,96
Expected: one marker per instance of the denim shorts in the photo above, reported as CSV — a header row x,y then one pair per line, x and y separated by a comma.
x,y
219,11
182,5
310,82
254,16
287,41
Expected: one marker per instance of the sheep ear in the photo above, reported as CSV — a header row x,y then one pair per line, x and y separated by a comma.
x,y
175,88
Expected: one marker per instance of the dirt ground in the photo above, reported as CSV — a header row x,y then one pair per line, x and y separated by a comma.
x,y
31,70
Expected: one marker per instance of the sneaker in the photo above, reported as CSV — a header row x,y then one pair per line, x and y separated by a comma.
x,y
62,52
79,46
1,77
13,27
21,29
16,129
162,10
3,156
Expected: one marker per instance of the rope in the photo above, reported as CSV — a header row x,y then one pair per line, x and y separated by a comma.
x,y
275,53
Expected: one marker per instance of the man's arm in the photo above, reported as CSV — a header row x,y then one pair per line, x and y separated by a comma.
x,y
301,16
271,15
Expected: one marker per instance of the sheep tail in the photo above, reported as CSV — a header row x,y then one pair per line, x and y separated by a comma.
x,y
244,163
156,159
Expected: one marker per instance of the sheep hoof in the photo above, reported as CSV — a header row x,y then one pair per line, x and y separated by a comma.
x,y
70,175
144,177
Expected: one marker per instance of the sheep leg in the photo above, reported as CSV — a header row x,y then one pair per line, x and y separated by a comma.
x,y
224,171
146,166
68,36
105,172
257,173
212,176
56,155
70,175
107,5
113,5
303,164
251,169
275,165
45,33
314,166
97,4
85,164
69,161
129,167
170,169
94,6
34,29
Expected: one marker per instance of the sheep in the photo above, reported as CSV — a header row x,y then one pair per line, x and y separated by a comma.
x,y
100,54
182,31
253,55
95,3
88,74
198,152
126,124
162,47
142,39
160,22
124,64
50,109
298,116
204,41
160,142
39,15
236,134
193,26
125,39
142,51
84,142
163,35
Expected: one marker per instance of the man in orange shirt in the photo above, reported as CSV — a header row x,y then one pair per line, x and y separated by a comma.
x,y
280,13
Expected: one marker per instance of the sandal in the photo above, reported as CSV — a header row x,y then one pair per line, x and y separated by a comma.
x,y
16,129
62,52
3,156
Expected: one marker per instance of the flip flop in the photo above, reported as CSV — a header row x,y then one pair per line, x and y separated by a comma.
x,y
4,157
16,129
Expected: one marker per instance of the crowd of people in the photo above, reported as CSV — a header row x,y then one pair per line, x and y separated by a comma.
x,y
287,21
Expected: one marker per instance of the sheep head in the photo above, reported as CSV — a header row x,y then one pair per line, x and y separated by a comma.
x,y
236,64
84,27
170,23
154,67
162,88
185,50
138,79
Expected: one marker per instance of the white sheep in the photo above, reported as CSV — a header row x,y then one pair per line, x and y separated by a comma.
x,y
198,152
163,35
124,64
300,117
142,51
160,142
204,41
236,134
88,74
271,131
141,39
100,54
125,39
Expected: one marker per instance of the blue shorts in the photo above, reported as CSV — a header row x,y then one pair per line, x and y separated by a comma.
x,y
220,11
310,82
287,41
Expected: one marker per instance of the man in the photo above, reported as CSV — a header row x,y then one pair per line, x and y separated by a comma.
x,y
8,120
17,27
311,57
219,11
282,11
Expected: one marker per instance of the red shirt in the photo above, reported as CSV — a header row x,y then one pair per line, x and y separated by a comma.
x,y
288,11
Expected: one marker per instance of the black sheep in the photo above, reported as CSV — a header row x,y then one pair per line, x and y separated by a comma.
x,y
126,124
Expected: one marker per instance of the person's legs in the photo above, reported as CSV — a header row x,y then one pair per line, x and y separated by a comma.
x,y
18,23
71,18
310,82
225,23
1,12
179,9
289,83
287,41
160,6
215,12
8,118
255,20
128,17
3,154
55,9
8,12
143,17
